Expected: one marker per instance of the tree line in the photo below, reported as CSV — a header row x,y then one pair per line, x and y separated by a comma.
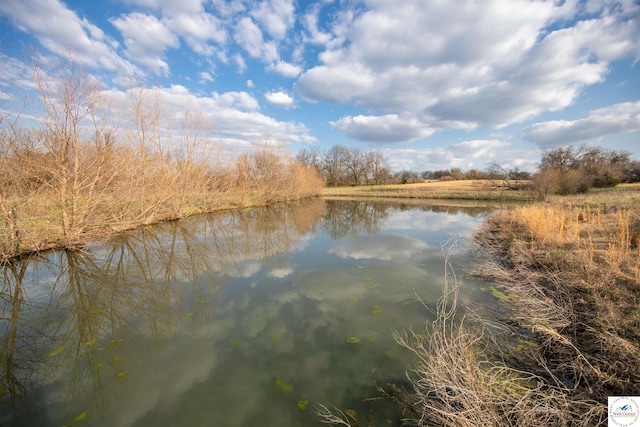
x,y
563,170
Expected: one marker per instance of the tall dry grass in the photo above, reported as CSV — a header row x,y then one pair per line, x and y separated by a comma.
x,y
572,268
84,172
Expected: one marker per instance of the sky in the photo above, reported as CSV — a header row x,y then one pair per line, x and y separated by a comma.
x,y
432,84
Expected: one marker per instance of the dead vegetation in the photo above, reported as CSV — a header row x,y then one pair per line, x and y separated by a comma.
x,y
479,189
82,171
573,270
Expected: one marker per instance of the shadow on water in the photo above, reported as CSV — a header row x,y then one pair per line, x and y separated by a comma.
x,y
77,326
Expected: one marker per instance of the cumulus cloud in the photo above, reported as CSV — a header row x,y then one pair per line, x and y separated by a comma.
x,y
279,99
275,16
493,63
249,36
198,29
478,148
204,77
285,69
382,129
61,31
146,39
616,119
471,154
234,117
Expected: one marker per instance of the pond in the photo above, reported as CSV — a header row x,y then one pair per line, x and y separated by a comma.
x,y
245,318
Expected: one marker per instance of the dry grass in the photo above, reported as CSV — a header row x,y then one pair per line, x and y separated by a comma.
x,y
573,268
461,190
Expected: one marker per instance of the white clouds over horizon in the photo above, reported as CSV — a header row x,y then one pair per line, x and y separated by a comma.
x,y
490,64
445,83
619,118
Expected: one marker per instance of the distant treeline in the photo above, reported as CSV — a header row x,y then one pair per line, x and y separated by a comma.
x,y
82,171
564,170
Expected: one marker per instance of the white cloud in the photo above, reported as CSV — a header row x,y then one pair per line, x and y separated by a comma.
x,y
471,154
616,119
275,16
62,31
481,148
239,60
467,64
249,36
383,129
310,21
205,77
146,39
279,99
286,69
234,117
250,84
198,29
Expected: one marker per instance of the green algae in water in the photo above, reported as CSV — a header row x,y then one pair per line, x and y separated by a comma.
x,y
80,417
54,351
283,387
353,340
302,404
375,310
502,296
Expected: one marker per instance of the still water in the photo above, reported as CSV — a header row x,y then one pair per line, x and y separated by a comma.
x,y
246,318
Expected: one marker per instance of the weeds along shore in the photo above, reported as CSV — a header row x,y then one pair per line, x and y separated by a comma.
x,y
568,271
108,190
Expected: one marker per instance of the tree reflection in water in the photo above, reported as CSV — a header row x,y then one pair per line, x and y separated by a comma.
x,y
81,323
77,314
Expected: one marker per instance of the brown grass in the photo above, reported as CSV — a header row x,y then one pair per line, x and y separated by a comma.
x,y
573,268
460,190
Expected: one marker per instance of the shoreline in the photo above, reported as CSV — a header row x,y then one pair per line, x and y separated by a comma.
x,y
568,271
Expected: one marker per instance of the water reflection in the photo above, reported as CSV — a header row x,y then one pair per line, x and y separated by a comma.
x,y
232,318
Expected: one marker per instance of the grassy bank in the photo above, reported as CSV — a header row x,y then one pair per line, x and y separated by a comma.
x,y
450,190
568,272
127,189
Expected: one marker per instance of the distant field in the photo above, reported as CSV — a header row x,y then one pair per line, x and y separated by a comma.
x,y
465,190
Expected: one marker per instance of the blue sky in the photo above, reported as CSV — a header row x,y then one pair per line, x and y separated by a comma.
x,y
432,84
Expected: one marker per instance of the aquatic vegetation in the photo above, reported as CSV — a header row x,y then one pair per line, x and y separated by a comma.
x,y
376,286
283,386
274,339
54,351
502,296
234,344
302,404
90,343
122,374
353,340
80,417
99,311
375,310
190,314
